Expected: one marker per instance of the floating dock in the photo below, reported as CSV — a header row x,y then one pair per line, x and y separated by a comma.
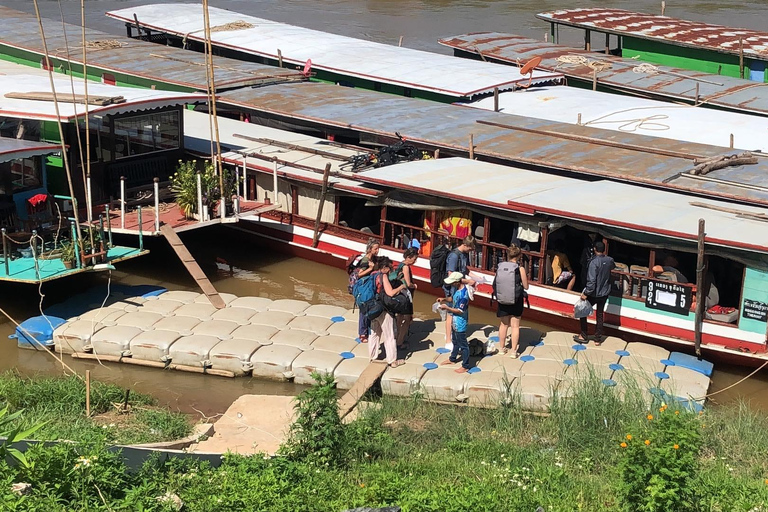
x,y
290,339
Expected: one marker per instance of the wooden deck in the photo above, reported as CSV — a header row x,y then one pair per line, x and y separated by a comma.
x,y
171,215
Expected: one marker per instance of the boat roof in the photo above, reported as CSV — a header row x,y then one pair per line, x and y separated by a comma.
x,y
388,64
604,203
636,115
13,149
300,157
44,109
617,72
694,34
132,57
558,147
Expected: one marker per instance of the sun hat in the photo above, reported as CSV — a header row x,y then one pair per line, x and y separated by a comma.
x,y
454,277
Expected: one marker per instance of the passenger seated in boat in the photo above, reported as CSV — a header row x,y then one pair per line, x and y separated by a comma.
x,y
670,264
563,275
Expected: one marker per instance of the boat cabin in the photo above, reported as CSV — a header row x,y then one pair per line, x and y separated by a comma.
x,y
714,49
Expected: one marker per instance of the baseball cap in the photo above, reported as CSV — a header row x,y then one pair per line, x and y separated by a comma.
x,y
454,277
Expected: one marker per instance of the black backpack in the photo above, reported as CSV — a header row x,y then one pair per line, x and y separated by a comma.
x,y
437,265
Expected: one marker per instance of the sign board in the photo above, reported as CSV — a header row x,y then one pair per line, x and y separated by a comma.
x,y
755,310
669,296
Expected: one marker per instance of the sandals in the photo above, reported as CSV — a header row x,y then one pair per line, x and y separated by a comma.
x,y
578,339
505,349
395,364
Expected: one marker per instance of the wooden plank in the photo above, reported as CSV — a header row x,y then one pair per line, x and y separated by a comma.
x,y
192,267
67,98
368,378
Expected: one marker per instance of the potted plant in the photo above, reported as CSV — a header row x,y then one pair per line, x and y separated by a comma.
x,y
68,254
184,187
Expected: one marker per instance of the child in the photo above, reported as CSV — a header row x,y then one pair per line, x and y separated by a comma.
x,y
460,312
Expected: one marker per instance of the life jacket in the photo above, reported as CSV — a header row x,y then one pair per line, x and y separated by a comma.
x,y
507,284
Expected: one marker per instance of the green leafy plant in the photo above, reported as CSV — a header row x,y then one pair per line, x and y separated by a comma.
x,y
14,435
67,251
184,186
659,461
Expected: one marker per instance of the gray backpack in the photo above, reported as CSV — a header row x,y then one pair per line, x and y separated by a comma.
x,y
507,283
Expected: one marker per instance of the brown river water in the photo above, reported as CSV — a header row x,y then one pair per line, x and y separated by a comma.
x,y
257,272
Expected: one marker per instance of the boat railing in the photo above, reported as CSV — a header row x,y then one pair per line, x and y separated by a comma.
x,y
398,235
325,227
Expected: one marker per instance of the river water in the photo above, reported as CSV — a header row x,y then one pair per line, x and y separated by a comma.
x,y
257,272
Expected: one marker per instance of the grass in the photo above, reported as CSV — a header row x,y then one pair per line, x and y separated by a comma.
x,y
60,401
428,457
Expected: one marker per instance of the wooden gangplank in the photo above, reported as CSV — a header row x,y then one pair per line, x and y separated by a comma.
x,y
368,378
192,267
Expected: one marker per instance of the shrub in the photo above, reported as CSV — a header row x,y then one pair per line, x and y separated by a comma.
x,y
184,186
659,461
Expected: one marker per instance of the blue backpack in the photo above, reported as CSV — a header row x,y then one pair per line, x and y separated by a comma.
x,y
366,298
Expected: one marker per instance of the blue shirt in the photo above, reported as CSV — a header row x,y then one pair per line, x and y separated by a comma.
x,y
461,302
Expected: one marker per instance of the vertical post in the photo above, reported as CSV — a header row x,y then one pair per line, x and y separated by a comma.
x,y
486,238
542,276
607,44
663,7
200,212
157,204
588,40
741,57
578,119
553,32
594,79
495,99
236,204
382,222
699,289
141,231
77,246
122,202
103,239
5,253
546,37
279,58
274,182
696,98
471,146
437,153
88,203
731,141
87,393
323,192
109,224
34,252
223,200
245,177
400,42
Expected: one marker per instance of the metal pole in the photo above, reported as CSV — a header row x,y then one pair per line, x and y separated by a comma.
x,y
5,253
237,190
699,289
274,183
141,233
77,246
103,237
200,213
34,252
279,58
109,224
471,146
245,177
741,57
122,202
88,200
157,204
495,99
588,40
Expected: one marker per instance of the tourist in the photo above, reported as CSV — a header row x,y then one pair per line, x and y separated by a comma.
x,y
508,289
562,271
382,327
457,261
404,275
670,264
459,310
596,291
364,268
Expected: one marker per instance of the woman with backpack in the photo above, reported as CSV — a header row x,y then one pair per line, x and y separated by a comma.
x,y
382,327
404,276
508,289
364,268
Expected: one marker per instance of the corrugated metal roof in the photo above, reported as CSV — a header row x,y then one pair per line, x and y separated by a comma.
x,y
337,54
634,115
521,140
662,28
11,149
133,57
621,74
300,157
135,99
602,202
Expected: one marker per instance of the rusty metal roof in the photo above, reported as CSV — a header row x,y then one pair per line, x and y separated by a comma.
x,y
575,150
122,55
618,73
662,28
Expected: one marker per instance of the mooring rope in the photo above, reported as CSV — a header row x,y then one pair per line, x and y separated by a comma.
x,y
580,60
96,45
226,27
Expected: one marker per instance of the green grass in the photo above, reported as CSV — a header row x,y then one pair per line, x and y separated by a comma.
x,y
60,401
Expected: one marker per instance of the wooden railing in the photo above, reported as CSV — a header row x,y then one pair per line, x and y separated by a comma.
x,y
396,235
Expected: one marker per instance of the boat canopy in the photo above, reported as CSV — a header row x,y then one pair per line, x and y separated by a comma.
x,y
581,150
599,203
618,73
298,157
694,34
347,56
636,115
31,97
13,149
120,55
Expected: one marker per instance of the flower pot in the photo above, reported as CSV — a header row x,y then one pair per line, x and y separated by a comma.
x,y
205,216
68,264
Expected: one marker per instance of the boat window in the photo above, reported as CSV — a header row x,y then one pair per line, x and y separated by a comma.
x,y
354,214
19,175
148,133
100,139
723,284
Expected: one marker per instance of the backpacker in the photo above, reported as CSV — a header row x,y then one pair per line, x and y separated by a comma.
x,y
508,286
352,270
366,298
437,265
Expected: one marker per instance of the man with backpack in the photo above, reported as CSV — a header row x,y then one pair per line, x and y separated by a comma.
x,y
509,287
443,263
596,291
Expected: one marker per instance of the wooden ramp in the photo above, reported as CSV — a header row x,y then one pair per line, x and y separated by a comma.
x,y
192,267
368,378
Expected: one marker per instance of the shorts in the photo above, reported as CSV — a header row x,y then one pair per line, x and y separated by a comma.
x,y
515,309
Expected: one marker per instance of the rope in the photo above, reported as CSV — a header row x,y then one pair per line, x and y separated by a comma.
x,y
232,25
646,68
96,45
580,60
631,125
732,385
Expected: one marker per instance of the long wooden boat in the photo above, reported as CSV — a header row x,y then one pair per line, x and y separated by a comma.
x,y
716,49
